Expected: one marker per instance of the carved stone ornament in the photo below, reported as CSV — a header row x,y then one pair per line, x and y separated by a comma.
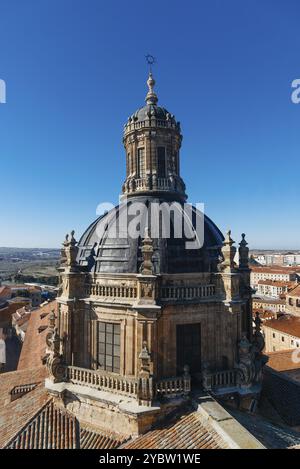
x,y
245,367
55,365
56,369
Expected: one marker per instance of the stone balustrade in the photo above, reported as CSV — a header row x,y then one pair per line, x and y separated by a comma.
x,y
132,387
187,292
173,386
102,380
160,184
219,379
98,289
167,292
129,127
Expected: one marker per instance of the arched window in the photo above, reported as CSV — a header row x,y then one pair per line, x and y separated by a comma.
x,y
128,164
141,162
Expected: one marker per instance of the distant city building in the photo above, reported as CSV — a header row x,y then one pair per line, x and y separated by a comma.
x,y
289,259
269,304
282,333
293,301
282,274
274,288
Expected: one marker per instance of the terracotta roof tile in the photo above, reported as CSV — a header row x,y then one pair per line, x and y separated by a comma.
x,y
34,346
51,428
295,292
185,432
282,360
95,439
274,270
14,414
277,283
287,324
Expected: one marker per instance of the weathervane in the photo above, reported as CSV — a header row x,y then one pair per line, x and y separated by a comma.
x,y
150,61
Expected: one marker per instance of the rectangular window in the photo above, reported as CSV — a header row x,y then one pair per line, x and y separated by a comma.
x,y
141,163
161,162
109,346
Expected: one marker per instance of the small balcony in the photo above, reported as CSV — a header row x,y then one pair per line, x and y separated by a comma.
x,y
141,389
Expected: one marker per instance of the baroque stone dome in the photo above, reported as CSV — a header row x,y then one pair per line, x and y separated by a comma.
x,y
106,247
152,140
152,111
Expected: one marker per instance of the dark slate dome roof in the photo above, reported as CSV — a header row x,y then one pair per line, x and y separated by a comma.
x,y
151,111
104,248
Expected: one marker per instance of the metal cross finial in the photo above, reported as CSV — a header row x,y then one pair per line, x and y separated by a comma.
x,y
150,61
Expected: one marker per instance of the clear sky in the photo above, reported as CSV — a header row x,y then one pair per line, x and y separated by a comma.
x,y
75,70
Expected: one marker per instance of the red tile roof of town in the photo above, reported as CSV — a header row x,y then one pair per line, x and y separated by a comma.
x,y
286,324
274,270
277,283
282,360
295,292
34,346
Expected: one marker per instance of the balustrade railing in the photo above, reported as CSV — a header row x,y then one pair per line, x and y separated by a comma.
x,y
97,289
187,293
101,380
219,379
132,387
149,123
173,386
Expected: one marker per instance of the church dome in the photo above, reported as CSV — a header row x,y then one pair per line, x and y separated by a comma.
x,y
152,111
152,141
106,247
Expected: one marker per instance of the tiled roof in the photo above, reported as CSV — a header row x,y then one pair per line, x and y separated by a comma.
x,y
50,428
95,439
271,301
282,360
186,431
276,283
15,413
287,324
273,270
295,292
34,346
55,428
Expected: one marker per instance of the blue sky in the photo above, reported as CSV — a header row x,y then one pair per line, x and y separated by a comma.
x,y
75,70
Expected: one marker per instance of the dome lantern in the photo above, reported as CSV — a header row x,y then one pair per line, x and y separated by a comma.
x,y
152,141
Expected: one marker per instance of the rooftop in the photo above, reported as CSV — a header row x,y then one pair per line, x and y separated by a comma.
x,y
287,324
282,361
34,347
272,301
183,431
274,269
276,283
295,292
